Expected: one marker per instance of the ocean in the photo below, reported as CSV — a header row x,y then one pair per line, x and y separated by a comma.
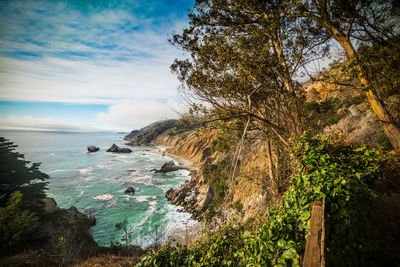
x,y
95,182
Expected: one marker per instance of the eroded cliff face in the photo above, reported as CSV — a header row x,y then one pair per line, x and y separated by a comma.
x,y
195,195
190,145
248,191
251,188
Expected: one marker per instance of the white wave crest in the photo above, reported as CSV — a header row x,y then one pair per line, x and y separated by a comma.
x,y
86,170
57,171
103,197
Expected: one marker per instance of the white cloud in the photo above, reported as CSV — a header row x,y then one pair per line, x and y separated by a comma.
x,y
96,57
59,80
129,114
42,124
102,56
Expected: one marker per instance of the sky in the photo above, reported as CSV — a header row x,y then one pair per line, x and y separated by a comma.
x,y
89,65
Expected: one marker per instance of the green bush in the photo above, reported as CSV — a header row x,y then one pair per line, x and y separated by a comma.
x,y
323,114
16,224
349,178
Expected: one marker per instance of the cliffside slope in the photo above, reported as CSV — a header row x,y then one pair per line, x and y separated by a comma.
x,y
332,110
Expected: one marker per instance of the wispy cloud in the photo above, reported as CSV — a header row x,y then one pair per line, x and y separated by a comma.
x,y
60,80
42,124
89,51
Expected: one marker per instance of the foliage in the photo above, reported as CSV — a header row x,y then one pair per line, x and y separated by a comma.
x,y
237,205
17,174
349,178
190,120
323,114
380,64
16,224
383,141
217,175
244,56
126,234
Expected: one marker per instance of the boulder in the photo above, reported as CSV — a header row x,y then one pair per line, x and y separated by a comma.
x,y
50,205
169,167
130,190
93,148
116,149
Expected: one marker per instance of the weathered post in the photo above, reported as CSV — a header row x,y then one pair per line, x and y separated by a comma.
x,y
315,247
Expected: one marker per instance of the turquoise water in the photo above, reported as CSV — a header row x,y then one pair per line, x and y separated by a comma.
x,y
95,182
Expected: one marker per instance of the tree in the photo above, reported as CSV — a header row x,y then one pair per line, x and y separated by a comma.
x,y
16,224
17,174
246,55
243,62
368,22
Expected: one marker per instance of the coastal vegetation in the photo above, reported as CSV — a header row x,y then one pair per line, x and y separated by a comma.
x,y
22,186
247,62
349,178
267,138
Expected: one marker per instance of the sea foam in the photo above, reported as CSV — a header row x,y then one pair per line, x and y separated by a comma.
x,y
104,197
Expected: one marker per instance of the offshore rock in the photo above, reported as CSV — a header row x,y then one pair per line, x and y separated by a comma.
x,y
116,149
93,148
130,190
169,167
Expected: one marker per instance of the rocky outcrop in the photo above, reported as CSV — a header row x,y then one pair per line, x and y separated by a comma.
x,y
359,126
130,190
194,195
170,167
116,149
50,205
93,148
64,233
147,134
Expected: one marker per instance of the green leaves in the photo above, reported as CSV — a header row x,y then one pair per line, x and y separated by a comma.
x,y
17,174
345,176
16,224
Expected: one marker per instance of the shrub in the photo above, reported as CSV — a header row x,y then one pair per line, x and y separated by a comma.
x,y
349,178
16,224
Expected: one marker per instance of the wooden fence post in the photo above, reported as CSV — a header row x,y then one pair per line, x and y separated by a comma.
x,y
315,247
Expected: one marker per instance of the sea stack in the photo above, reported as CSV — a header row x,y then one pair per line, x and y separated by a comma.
x,y
93,148
116,149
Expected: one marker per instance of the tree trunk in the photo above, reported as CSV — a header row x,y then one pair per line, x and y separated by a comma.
x,y
391,130
274,187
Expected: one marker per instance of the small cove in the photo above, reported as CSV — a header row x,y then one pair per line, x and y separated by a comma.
x,y
95,182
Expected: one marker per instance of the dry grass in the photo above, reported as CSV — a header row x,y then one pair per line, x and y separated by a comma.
x,y
110,260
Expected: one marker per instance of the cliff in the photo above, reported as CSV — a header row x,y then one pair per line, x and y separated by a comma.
x,y
331,109
62,238
147,134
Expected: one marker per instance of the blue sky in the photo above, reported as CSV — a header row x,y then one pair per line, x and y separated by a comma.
x,y
88,65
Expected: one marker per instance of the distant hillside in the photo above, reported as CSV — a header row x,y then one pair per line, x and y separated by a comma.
x,y
150,132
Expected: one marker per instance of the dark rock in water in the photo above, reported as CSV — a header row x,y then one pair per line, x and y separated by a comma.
x,y
131,170
194,196
130,190
133,144
93,148
169,167
116,149
169,194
